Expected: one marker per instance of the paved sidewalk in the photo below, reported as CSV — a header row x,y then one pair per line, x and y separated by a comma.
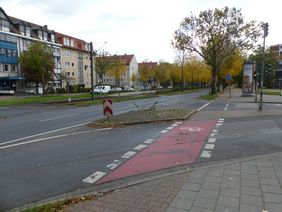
x,y
245,186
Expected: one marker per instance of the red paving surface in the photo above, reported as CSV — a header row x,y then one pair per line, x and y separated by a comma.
x,y
179,146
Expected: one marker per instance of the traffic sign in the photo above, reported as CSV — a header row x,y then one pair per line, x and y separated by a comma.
x,y
108,111
228,77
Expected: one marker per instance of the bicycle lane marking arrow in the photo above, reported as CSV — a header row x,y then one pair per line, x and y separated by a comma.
x,y
180,146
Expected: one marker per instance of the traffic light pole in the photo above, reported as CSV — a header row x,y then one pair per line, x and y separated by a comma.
x,y
265,33
261,78
91,68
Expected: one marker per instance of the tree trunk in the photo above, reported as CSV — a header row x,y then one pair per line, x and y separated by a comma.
x,y
213,81
43,85
37,85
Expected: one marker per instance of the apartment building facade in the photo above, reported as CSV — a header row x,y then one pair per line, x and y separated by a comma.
x,y
75,61
15,37
126,79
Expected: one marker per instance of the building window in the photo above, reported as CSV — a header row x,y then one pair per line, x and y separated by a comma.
x,y
14,68
40,35
1,67
72,43
72,74
6,67
27,31
72,64
85,67
53,38
66,41
67,53
45,36
67,64
4,25
22,31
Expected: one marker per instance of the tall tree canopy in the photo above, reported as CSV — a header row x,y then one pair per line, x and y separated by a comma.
x,y
117,69
216,34
269,59
38,64
102,64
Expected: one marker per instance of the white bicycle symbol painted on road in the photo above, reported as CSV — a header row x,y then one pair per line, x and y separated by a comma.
x,y
192,129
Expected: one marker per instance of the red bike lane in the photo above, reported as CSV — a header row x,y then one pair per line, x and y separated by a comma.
x,y
181,145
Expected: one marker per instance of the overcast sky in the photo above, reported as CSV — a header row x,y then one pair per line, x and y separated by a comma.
x,y
141,27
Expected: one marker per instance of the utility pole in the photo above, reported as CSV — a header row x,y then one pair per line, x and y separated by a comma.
x,y
265,33
91,68
182,77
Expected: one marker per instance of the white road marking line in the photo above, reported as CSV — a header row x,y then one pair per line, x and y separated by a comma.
x,y
221,119
149,141
211,140
48,132
178,122
169,128
114,164
226,109
209,146
140,147
59,117
103,129
129,154
94,177
206,154
42,139
219,124
163,131
215,130
213,134
201,108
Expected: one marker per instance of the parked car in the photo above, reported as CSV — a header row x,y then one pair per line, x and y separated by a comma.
x,y
128,88
116,89
101,89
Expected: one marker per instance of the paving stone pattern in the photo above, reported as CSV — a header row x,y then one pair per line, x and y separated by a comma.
x,y
245,186
155,195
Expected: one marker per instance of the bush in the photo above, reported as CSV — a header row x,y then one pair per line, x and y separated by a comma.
x,y
60,90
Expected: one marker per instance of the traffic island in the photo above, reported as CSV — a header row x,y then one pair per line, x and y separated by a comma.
x,y
143,116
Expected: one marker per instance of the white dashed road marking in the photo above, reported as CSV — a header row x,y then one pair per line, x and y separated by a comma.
x,y
94,177
148,141
206,154
114,164
129,154
140,147
209,146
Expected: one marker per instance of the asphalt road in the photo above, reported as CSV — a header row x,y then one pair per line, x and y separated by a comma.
x,y
49,151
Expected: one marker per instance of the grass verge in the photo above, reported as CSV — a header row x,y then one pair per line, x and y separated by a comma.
x,y
208,97
59,205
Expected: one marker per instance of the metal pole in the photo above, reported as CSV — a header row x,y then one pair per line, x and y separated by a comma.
x,y
182,78
261,77
91,67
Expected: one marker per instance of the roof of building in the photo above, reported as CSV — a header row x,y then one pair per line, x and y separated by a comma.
x,y
127,58
147,64
78,43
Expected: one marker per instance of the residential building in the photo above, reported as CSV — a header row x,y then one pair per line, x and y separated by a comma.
x,y
277,52
127,78
75,61
15,36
